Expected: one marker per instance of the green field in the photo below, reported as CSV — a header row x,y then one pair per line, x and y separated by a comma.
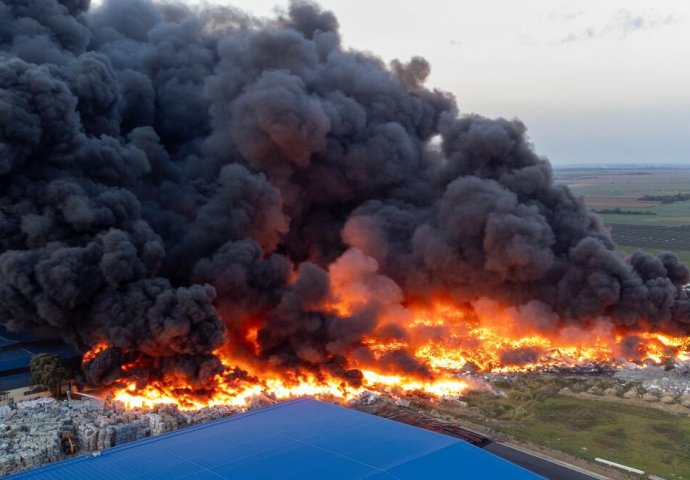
x,y
616,188
671,214
683,255
608,189
652,440
648,439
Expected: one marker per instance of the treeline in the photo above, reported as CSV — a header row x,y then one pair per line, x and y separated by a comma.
x,y
618,211
678,197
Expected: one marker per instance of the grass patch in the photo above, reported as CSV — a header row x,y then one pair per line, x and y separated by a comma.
x,y
612,439
620,189
649,439
684,255
574,418
654,220
669,215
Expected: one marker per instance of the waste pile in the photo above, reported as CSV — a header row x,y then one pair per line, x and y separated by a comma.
x,y
669,383
33,433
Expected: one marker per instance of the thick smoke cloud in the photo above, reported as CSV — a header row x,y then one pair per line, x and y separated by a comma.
x,y
171,178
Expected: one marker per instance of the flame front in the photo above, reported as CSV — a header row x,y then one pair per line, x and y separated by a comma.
x,y
93,352
280,388
446,340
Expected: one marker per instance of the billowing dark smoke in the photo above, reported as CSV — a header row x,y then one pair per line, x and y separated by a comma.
x,y
171,177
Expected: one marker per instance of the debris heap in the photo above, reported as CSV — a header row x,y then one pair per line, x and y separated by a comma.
x,y
32,433
670,382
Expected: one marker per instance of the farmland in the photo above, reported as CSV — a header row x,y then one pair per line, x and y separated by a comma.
x,y
665,228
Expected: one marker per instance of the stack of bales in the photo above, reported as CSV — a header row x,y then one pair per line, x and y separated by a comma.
x,y
31,434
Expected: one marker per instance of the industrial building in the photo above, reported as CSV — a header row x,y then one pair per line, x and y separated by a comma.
x,y
299,439
15,355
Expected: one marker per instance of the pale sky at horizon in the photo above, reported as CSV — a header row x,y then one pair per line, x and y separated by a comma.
x,y
595,82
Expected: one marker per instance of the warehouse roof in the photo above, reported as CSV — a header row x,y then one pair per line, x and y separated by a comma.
x,y
19,358
299,439
11,382
16,351
8,338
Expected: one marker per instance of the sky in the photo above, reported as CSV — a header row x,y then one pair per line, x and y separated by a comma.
x,y
596,82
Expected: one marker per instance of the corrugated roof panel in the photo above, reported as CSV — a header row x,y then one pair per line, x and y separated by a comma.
x,y
5,342
21,357
14,359
301,439
18,354
63,351
13,336
15,381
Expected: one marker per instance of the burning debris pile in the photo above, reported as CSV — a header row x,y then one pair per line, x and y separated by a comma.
x,y
213,205
37,432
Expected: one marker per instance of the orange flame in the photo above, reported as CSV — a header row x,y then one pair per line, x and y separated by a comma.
x,y
93,352
444,339
273,386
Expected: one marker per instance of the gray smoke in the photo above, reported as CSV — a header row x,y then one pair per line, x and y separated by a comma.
x,y
171,176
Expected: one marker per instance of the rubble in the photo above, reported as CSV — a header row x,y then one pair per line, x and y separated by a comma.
x,y
669,381
587,369
631,394
595,391
31,433
650,397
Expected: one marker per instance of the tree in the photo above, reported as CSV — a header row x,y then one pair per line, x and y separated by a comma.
x,y
49,371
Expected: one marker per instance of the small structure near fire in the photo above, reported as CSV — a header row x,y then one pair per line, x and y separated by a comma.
x,y
16,352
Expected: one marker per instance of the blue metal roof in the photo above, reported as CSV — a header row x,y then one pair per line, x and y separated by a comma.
x,y
63,351
15,381
17,354
300,439
8,337
16,350
21,357
14,359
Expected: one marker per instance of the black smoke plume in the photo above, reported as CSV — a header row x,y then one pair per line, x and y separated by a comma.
x,y
170,176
